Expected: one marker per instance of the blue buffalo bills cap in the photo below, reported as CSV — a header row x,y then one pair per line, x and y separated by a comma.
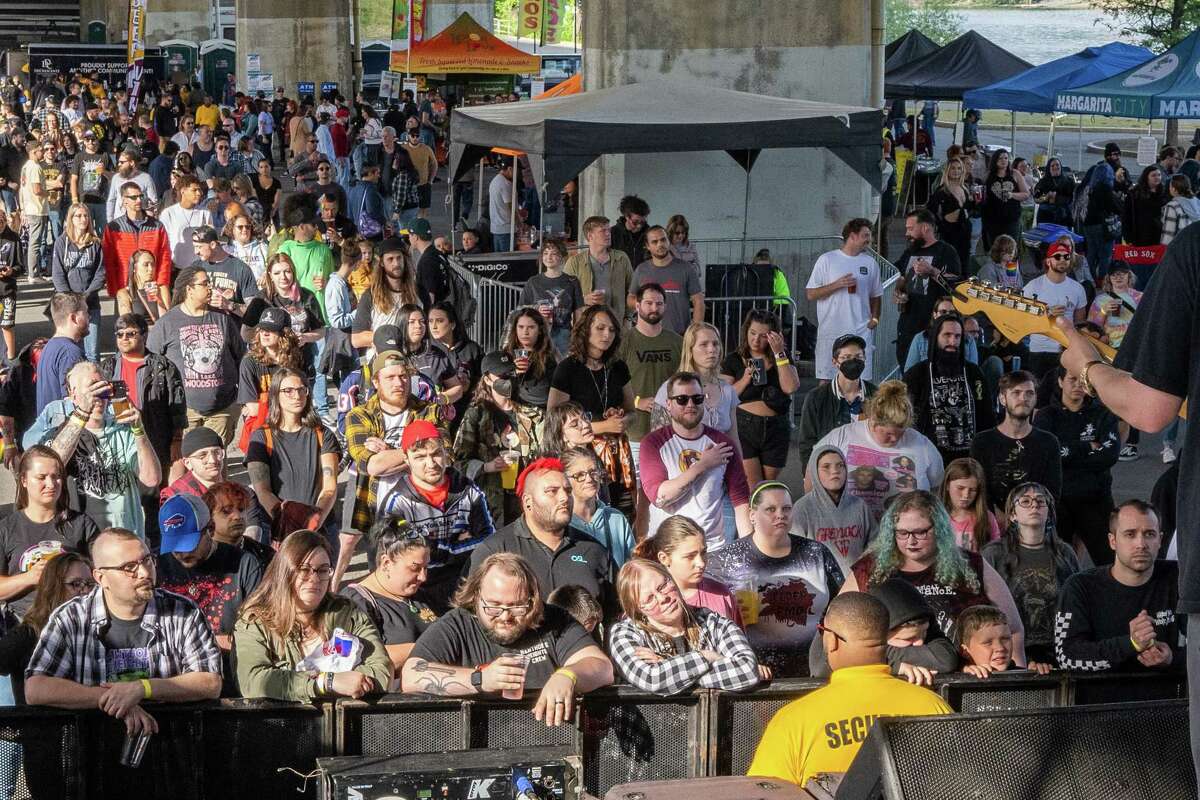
x,y
182,520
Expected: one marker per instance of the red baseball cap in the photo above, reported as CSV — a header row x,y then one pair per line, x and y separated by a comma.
x,y
1058,247
418,431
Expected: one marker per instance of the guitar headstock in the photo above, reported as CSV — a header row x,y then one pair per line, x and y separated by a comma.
x,y
1013,314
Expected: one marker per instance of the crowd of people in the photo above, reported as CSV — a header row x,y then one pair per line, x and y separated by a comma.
x,y
600,499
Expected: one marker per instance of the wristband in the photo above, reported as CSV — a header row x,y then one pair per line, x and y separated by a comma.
x,y
782,362
569,673
328,683
1085,380
637,401
1136,649
138,430
146,692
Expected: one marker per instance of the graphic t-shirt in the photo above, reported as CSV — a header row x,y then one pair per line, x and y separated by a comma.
x,y
206,350
680,281
102,478
564,296
232,279
875,472
126,650
218,586
89,168
399,621
1035,589
24,543
393,432
782,599
651,360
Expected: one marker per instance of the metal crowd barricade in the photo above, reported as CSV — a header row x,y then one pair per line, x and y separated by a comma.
x,y
727,313
233,749
495,301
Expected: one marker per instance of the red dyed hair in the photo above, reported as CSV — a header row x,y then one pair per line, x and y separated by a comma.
x,y
539,465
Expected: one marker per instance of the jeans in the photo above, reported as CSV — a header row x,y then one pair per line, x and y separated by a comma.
x,y
343,173
91,342
406,216
1099,249
1173,434
38,228
501,242
321,383
99,215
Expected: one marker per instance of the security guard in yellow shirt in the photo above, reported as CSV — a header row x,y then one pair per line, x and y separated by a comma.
x,y
822,731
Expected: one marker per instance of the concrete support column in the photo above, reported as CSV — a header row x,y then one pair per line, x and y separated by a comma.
x,y
804,49
298,40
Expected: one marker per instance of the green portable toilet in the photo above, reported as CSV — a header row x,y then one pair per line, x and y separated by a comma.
x,y
218,58
180,56
97,32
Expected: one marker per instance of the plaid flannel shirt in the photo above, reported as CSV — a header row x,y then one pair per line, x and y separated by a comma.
x,y
363,422
738,669
70,646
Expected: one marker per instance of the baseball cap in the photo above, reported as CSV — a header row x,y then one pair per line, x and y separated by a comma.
x,y
182,520
387,337
200,439
421,228
388,358
1058,247
206,234
418,431
274,320
392,244
88,133
1111,148
497,363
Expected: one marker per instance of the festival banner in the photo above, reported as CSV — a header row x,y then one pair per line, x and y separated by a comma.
x,y
553,20
399,35
529,20
136,53
418,21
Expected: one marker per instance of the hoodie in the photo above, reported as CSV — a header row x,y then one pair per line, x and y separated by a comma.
x,y
904,604
1089,443
844,527
1177,215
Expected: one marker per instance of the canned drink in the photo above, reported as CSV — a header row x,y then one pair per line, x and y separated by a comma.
x,y
1016,362
343,645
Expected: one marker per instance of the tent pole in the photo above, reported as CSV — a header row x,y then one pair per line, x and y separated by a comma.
x,y
1012,122
1079,163
516,181
746,208
1050,140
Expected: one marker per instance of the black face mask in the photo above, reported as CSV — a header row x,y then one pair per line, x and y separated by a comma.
x,y
503,387
852,368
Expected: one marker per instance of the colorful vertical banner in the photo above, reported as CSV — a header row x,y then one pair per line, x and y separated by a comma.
x,y
418,21
136,53
400,11
553,16
529,21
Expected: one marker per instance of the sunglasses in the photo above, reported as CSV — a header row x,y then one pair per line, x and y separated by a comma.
x,y
686,399
130,334
1061,257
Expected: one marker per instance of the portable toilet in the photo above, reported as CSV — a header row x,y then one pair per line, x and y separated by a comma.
x,y
97,32
218,58
180,56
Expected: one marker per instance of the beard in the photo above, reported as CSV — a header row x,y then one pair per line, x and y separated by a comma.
x,y
653,318
552,519
504,637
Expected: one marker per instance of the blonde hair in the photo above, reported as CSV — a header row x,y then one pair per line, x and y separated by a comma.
x,y
890,405
669,536
687,362
627,592
89,236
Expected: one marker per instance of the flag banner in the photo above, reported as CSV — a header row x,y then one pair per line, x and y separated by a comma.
x,y
529,22
137,52
399,35
553,16
418,21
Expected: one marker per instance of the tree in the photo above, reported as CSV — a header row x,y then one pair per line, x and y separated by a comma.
x,y
1156,24
934,18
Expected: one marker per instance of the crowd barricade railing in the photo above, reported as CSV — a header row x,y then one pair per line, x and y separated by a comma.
x,y
231,749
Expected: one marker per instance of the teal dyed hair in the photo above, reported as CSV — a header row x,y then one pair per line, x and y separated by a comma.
x,y
951,567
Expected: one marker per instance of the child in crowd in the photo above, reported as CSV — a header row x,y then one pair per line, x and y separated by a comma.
x,y
581,605
984,640
964,492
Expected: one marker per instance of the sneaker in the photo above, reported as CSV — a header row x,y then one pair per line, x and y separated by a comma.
x,y
1129,453
1168,454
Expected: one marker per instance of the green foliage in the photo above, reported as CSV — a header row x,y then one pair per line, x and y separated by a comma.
x,y
1156,24
934,18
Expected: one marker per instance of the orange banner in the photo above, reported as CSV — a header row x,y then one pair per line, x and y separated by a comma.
x,y
466,46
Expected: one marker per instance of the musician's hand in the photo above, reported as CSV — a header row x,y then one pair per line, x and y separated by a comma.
x,y
1079,348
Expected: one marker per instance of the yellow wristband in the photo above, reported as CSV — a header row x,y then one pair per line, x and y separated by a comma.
x,y
146,693
1135,645
783,362
637,400
569,673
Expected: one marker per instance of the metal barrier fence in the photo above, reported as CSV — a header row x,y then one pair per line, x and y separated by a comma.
x,y
495,301
256,750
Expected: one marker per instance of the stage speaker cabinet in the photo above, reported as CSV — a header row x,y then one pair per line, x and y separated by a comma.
x,y
1126,751
535,773
723,788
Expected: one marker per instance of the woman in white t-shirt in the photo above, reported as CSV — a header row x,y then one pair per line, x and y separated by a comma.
x,y
884,454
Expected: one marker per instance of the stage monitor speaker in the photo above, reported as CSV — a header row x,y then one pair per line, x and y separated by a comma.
x,y
536,773
1125,751
723,788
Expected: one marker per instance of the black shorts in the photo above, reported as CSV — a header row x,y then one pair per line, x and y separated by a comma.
x,y
8,311
764,438
425,196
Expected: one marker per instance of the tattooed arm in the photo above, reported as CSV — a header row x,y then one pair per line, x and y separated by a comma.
x,y
328,495
260,481
426,677
67,438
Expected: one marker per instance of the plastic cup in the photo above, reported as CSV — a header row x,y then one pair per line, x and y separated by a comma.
x,y
516,694
134,749
748,605
853,288
508,475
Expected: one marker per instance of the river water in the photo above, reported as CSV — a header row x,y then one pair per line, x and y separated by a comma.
x,y
1038,35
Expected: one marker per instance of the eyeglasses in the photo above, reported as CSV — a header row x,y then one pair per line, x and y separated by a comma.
x,y
294,391
1033,502
594,474
685,399
658,595
822,629
130,568
918,534
579,423
129,334
204,283
243,227
134,197
308,573
80,585
519,610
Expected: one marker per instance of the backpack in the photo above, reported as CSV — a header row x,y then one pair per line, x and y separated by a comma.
x,y
460,293
1079,203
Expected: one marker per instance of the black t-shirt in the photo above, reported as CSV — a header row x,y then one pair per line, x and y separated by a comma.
x,y
252,377
398,622
232,279
431,277
126,649
90,169
218,587
432,361
1161,349
923,291
458,638
294,461
11,256
595,390
23,543
770,392
1010,462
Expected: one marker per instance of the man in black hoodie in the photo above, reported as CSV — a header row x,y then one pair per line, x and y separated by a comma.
x,y
949,394
1089,444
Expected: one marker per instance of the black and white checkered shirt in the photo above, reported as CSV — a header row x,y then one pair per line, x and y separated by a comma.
x,y
738,669
71,645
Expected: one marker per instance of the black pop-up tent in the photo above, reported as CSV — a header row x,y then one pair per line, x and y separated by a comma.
x,y
908,48
970,61
564,135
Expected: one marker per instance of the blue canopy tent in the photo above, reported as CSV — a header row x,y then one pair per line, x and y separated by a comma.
x,y
1166,88
1036,90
